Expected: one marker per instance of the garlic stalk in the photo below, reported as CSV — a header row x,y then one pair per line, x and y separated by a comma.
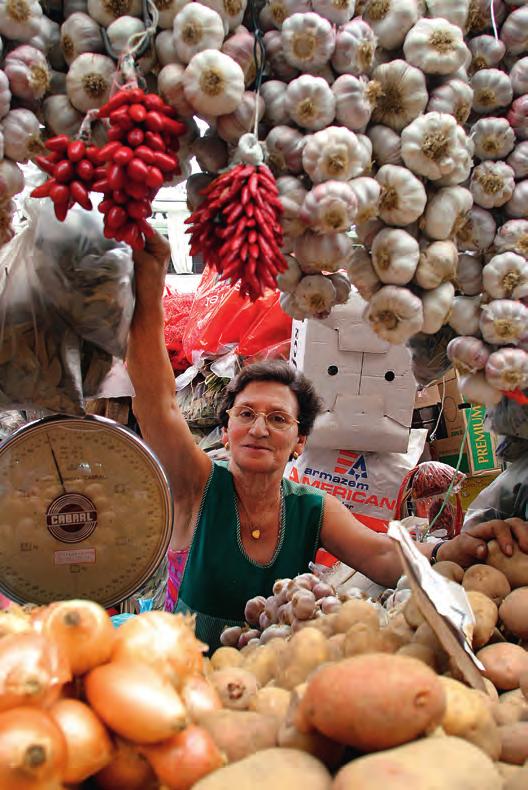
x,y
395,314
317,253
330,207
395,255
403,94
465,315
403,196
436,305
362,273
316,295
434,145
446,212
513,236
505,276
437,264
493,138
309,102
288,280
475,388
492,184
504,322
469,274
367,192
507,369
468,354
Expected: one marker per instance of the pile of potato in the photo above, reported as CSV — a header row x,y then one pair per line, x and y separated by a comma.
x,y
365,698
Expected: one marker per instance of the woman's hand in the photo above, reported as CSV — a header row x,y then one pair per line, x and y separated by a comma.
x,y
471,546
150,269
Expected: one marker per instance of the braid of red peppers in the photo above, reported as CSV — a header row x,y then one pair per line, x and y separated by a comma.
x,y
237,228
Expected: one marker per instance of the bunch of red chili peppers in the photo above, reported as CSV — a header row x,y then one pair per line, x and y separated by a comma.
x,y
139,157
237,228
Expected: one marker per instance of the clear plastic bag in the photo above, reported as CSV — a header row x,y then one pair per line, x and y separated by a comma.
x,y
506,497
66,301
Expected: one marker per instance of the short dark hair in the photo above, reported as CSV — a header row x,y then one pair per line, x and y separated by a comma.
x,y
309,403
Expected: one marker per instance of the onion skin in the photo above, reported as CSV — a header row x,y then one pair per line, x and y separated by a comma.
x,y
199,697
32,671
128,770
82,629
185,758
33,751
135,701
89,745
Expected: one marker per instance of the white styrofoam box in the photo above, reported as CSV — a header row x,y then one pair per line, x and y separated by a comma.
x,y
367,385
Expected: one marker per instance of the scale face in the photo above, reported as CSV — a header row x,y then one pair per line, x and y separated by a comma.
x,y
85,512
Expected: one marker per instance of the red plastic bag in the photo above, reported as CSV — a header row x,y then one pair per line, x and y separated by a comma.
x,y
221,319
176,307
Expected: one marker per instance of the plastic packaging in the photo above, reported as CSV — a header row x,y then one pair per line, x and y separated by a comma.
x,y
506,497
425,488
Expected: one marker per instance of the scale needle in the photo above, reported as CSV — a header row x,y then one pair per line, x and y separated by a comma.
x,y
57,467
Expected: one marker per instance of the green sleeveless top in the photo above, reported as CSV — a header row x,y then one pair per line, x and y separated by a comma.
x,y
219,576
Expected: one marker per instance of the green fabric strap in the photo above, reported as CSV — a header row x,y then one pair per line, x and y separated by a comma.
x,y
219,577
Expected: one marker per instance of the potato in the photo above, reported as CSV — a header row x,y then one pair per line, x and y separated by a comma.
x,y
486,616
352,612
517,780
515,568
491,691
504,663
279,769
362,638
511,707
262,663
241,732
524,683
514,612
451,570
315,743
271,702
307,650
424,635
336,644
508,771
372,701
412,614
226,657
236,687
468,715
400,629
485,579
514,743
445,763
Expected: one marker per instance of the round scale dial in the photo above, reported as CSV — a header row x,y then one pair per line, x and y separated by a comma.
x,y
85,512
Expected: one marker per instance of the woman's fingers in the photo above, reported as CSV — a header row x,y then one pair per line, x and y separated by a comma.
x,y
157,249
519,528
495,529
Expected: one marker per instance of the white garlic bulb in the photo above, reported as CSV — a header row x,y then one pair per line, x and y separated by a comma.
x,y
280,68
386,145
468,354
403,94
395,255
455,11
446,212
433,144
391,20
326,252
367,192
454,97
519,77
165,50
354,48
80,33
475,388
20,20
493,138
513,236
292,194
514,32
465,315
436,305
232,126
309,102
492,184
60,116
342,285
367,231
279,10
336,11
437,264
315,295
504,322
308,40
518,160
486,52
516,205
355,99
231,11
492,89
469,274
329,207
395,314
106,11
507,369
334,153
477,230
290,306
435,46
196,28
89,80
213,83
403,196
505,276
289,279
170,88
284,147
362,273
274,92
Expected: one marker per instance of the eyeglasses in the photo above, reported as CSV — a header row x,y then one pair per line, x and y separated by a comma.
x,y
275,420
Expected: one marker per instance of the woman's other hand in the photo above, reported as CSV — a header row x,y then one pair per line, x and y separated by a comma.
x,y
471,546
150,269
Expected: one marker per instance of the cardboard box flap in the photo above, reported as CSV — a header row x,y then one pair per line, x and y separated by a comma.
x,y
353,332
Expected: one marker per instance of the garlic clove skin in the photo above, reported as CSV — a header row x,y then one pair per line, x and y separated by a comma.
x,y
518,160
308,40
395,254
107,11
492,90
403,94
468,354
437,264
391,20
476,389
403,197
315,295
386,145
285,147
492,184
395,314
367,192
504,322
446,212
513,236
310,102
316,253
516,206
288,280
330,207
507,369
435,46
454,97
493,138
355,48
469,274
436,305
505,276
465,315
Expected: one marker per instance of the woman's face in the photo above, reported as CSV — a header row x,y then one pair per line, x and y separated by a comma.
x,y
257,447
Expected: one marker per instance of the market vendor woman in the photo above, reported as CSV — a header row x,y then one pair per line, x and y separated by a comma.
x,y
245,524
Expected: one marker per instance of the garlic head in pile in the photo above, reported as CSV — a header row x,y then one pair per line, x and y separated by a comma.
x,y
504,322
435,46
403,196
402,94
395,314
395,255
434,146
505,276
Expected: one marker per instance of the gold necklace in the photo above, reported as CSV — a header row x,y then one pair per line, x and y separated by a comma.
x,y
256,533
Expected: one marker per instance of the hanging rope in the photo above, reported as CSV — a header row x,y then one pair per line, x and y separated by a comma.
x,y
259,56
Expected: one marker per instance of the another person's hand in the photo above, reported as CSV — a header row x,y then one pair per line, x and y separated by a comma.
x,y
471,546
150,269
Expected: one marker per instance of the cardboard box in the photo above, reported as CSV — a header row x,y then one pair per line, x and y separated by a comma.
x,y
479,456
427,396
367,385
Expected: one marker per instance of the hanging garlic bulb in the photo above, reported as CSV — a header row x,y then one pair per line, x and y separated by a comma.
x,y
505,276
232,126
504,322
518,117
475,389
322,252
435,46
334,153
433,144
292,193
513,236
469,274
89,81
403,196
518,160
285,148
516,206
362,273
455,11
367,192
291,308
196,28
336,11
437,264
465,315
446,212
519,77
492,89
21,135
486,52
315,295
279,66
454,97
492,184
468,354
210,152
493,138
436,305
289,279
386,145
106,11
514,32
279,10
241,48
403,94
213,83
20,20
395,314
342,285
5,95
274,92
482,13
165,50
329,207
28,73
355,100
60,116
231,11
507,369
476,231
391,20
167,10
395,255
309,102
354,48
170,88
11,179
308,40
80,33
121,31
366,232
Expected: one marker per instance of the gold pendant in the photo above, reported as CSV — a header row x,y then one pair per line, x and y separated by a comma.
x,y
255,534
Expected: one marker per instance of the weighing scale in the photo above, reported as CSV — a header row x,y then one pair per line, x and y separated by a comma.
x,y
85,511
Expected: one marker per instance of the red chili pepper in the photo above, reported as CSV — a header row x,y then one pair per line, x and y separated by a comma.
x,y
108,233
58,143
61,210
116,217
102,186
123,156
135,137
137,112
80,194
76,150
153,102
154,141
85,170
43,190
100,172
136,190
63,171
47,167
175,128
154,178
137,170
164,162
117,100
115,133
120,197
145,153
155,122
108,151
139,209
115,176
92,153
145,228
60,193
105,206
122,119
